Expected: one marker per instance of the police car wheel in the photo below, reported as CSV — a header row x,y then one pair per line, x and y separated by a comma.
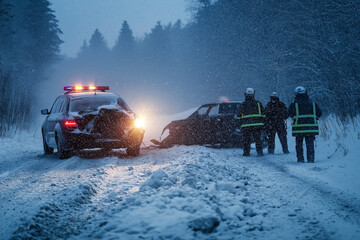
x,y
62,153
47,150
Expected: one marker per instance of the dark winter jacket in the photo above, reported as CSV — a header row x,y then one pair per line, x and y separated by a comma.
x,y
276,112
306,123
251,113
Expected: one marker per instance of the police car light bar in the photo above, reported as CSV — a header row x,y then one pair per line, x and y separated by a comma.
x,y
81,88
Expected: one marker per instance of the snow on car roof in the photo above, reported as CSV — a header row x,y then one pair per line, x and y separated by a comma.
x,y
88,94
216,103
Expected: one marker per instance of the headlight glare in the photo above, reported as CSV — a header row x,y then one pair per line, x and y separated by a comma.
x,y
139,123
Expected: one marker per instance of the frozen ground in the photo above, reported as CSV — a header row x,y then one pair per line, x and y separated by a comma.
x,y
186,192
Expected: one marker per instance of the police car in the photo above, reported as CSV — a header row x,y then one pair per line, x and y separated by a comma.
x,y
90,117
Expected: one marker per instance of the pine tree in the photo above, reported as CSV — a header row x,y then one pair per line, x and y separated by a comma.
x,y
83,50
125,43
40,26
30,40
97,44
158,42
5,29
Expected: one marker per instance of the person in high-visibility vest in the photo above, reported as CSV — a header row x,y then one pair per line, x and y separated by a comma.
x,y
305,114
251,118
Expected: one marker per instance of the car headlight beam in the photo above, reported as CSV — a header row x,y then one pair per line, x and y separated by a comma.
x,y
139,123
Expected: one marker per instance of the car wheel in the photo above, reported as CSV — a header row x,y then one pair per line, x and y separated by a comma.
x,y
133,151
62,153
47,150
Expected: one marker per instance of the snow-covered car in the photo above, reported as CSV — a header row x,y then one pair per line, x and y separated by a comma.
x,y
89,117
213,123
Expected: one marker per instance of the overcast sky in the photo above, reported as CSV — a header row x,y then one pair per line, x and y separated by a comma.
x,y
79,18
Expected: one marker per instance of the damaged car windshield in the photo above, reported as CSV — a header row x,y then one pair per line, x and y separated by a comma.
x,y
86,104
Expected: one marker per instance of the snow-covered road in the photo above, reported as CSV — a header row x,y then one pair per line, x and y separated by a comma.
x,y
186,192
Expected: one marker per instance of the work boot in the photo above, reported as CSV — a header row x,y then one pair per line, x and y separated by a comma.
x,y
286,151
260,154
300,160
271,151
246,154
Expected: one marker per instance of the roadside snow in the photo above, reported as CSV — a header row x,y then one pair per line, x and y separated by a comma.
x,y
185,192
213,193
337,157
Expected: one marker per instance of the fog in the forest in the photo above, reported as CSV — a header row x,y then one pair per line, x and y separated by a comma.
x,y
226,47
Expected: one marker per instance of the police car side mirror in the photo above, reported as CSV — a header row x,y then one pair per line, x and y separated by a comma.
x,y
45,112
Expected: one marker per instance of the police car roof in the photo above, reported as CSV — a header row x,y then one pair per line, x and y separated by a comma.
x,y
89,94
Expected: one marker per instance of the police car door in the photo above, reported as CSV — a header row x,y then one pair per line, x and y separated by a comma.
x,y
54,117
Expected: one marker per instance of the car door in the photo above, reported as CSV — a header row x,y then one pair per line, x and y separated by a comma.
x,y
211,124
199,124
227,121
53,118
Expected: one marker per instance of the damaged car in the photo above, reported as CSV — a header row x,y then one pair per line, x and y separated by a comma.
x,y
88,117
213,123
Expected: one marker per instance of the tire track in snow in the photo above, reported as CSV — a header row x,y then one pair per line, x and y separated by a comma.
x,y
63,217
93,188
321,211
285,219
349,206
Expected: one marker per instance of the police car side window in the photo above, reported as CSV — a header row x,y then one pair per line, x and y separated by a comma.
x,y
64,106
58,105
55,105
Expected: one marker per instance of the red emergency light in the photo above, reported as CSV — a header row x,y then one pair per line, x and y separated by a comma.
x,y
88,88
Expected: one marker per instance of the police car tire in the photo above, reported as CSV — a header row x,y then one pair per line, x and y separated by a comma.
x,y
62,153
47,150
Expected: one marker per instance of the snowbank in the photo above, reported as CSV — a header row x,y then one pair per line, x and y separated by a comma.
x,y
185,192
189,199
337,156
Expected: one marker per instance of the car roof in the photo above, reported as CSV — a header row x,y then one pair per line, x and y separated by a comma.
x,y
211,104
89,94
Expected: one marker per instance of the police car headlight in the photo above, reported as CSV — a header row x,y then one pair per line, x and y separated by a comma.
x,y
139,123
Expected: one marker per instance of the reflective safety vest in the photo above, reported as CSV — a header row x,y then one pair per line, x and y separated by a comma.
x,y
253,116
308,123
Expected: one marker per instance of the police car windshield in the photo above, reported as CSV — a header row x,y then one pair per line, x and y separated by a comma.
x,y
94,102
228,108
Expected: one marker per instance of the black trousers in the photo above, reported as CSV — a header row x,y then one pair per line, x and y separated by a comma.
x,y
310,148
281,131
256,134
